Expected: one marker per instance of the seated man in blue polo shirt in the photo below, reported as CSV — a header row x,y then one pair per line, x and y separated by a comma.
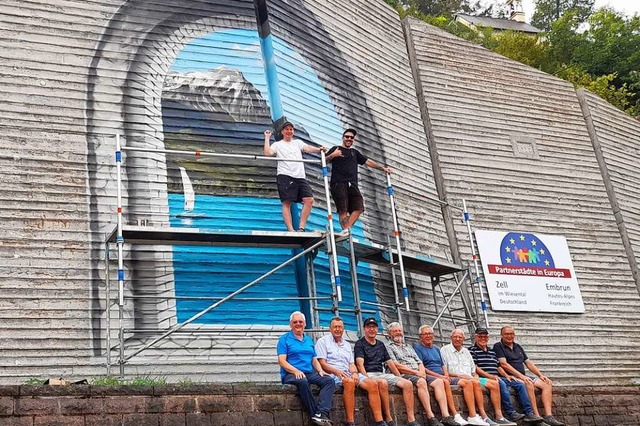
x,y
513,359
489,370
299,367
434,367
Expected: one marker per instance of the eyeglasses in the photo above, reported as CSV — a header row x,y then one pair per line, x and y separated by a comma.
x,y
348,137
426,334
297,322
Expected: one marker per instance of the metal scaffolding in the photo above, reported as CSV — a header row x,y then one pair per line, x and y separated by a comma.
x,y
308,243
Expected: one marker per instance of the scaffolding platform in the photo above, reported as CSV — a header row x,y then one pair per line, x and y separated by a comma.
x,y
378,254
156,235
364,251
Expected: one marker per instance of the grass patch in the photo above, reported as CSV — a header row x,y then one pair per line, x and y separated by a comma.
x,y
136,381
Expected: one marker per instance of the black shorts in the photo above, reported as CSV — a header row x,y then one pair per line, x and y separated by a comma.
x,y
293,189
347,197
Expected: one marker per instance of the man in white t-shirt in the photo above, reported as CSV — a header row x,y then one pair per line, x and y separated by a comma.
x,y
459,365
292,183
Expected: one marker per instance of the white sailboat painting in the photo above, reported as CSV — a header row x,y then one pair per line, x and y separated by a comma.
x,y
189,198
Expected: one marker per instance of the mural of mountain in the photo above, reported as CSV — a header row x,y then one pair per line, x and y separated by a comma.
x,y
217,106
222,92
217,111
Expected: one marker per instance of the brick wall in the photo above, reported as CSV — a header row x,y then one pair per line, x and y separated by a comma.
x,y
243,404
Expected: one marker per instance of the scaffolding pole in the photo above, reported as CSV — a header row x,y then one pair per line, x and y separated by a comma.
x,y
478,279
353,263
396,233
396,297
335,276
108,304
214,154
448,302
311,291
120,246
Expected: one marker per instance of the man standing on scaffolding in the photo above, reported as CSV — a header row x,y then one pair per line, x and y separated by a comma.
x,y
345,160
292,183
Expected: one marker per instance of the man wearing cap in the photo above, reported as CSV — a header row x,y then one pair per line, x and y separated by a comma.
x,y
412,369
489,370
371,356
300,367
346,195
513,360
336,358
291,179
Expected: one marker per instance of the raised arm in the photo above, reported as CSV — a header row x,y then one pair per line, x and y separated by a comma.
x,y
374,165
313,149
267,146
334,153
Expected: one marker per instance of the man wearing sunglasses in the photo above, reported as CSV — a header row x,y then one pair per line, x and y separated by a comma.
x,y
346,195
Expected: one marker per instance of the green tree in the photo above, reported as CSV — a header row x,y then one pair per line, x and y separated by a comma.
x,y
549,11
603,86
612,44
563,39
525,49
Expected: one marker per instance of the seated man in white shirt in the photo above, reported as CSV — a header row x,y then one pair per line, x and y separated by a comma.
x,y
459,365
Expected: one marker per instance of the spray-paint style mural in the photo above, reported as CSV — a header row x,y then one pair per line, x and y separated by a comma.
x,y
215,98
207,91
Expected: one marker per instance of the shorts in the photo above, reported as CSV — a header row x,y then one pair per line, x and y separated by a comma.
x,y
454,380
483,381
293,189
414,379
347,197
338,380
392,379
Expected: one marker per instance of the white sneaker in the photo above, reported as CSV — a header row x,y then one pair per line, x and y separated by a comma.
x,y
477,421
460,420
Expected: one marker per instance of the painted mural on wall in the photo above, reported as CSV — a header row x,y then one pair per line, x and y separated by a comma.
x,y
194,79
215,98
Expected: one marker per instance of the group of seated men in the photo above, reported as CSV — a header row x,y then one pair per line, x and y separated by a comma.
x,y
373,366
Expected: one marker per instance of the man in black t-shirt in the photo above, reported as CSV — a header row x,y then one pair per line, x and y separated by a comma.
x,y
371,356
346,195
513,360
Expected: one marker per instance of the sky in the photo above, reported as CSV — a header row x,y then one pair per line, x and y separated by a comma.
x,y
629,7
